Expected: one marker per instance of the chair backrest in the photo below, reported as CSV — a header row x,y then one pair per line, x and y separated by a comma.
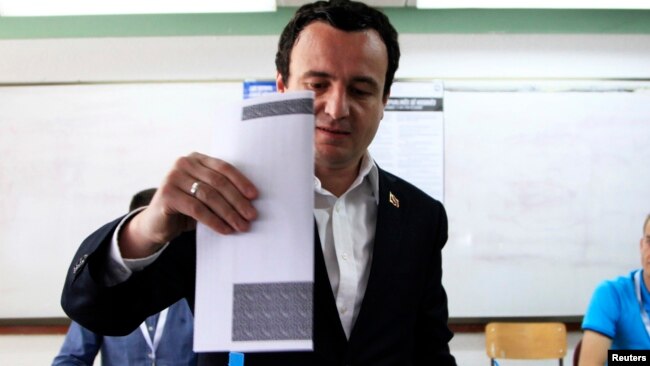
x,y
576,353
538,340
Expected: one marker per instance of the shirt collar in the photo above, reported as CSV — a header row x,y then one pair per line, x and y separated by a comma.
x,y
368,169
644,290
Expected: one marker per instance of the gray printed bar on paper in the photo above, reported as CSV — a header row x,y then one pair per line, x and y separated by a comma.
x,y
272,311
271,109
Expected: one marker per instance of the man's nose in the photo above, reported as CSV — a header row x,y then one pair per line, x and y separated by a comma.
x,y
337,104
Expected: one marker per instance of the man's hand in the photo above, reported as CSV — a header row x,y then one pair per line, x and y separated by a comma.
x,y
221,201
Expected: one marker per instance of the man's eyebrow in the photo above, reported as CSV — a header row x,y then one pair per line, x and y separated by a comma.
x,y
316,74
366,80
357,79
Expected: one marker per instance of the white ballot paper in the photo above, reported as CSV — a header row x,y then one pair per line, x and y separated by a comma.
x,y
254,290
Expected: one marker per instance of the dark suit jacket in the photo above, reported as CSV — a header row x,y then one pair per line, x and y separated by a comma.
x,y
403,317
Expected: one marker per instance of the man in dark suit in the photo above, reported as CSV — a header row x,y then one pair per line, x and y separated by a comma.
x,y
378,296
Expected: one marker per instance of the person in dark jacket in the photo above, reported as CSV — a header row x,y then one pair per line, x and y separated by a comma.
x,y
378,294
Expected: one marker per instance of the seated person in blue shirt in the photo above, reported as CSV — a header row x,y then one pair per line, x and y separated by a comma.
x,y
164,339
617,317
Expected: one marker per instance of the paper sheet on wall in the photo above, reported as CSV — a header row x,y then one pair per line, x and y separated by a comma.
x,y
254,289
410,139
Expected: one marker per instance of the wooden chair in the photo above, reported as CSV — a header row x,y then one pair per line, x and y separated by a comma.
x,y
576,353
530,341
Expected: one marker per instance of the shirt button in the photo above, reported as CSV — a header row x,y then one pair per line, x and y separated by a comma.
x,y
151,329
344,256
344,310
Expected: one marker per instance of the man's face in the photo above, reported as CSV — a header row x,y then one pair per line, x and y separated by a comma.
x,y
347,71
645,251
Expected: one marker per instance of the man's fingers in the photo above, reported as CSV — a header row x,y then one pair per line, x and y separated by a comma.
x,y
208,201
210,196
194,208
234,176
230,184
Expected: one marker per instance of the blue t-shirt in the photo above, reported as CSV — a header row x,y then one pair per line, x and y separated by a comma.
x,y
614,312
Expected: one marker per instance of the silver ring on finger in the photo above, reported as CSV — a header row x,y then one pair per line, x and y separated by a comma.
x,y
195,188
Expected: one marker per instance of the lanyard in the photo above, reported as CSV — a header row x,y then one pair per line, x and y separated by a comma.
x,y
162,318
637,289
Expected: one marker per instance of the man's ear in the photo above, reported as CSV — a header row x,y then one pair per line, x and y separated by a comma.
x,y
279,83
385,101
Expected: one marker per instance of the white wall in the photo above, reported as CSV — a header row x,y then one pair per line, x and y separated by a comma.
x,y
460,58
448,56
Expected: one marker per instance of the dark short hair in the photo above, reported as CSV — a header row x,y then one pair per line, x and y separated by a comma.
x,y
344,15
142,198
645,223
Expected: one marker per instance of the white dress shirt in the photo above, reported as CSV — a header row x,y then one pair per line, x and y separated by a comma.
x,y
346,228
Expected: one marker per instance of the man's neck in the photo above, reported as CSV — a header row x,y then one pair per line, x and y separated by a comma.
x,y
337,180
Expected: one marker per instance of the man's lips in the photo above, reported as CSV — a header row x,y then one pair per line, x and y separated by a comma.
x,y
333,131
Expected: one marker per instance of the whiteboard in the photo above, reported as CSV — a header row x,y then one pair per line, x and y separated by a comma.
x,y
72,157
546,195
545,192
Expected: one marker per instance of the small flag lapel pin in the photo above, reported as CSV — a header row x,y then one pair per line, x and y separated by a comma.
x,y
392,199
